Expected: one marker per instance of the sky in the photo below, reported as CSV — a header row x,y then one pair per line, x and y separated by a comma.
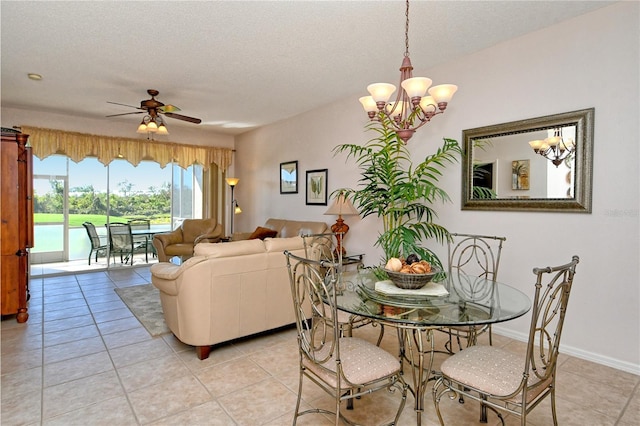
x,y
91,172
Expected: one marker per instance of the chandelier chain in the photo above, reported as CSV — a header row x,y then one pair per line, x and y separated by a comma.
x,y
406,31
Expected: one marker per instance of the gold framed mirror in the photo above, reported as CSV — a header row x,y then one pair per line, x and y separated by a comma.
x,y
502,170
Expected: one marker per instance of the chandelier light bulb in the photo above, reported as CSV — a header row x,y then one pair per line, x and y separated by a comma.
x,y
416,87
381,92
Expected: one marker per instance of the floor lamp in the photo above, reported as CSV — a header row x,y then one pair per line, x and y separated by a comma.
x,y
235,208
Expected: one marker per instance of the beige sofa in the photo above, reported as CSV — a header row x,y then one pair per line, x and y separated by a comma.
x,y
180,241
287,228
229,290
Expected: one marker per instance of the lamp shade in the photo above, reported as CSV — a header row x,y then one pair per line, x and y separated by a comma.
x,y
342,206
231,181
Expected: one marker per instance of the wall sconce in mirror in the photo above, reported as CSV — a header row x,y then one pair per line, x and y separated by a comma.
x,y
537,164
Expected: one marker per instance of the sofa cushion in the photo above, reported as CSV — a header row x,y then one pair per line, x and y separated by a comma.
x,y
282,244
262,233
290,228
232,248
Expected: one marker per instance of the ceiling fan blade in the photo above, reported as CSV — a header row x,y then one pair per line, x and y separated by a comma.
x,y
126,113
130,106
183,117
169,108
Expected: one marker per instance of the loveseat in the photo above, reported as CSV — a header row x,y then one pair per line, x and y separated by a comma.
x,y
181,241
227,290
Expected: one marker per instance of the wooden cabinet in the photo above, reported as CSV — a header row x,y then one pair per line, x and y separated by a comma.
x,y
16,230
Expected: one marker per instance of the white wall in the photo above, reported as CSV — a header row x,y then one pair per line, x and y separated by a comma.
x,y
590,61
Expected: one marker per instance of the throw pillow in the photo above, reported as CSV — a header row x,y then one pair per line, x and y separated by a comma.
x,y
263,233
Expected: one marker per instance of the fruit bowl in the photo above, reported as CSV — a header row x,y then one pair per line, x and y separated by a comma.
x,y
411,281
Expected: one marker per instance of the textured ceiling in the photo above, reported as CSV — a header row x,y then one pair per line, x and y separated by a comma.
x,y
238,65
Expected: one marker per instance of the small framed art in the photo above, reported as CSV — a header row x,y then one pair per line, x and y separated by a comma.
x,y
317,187
289,177
520,174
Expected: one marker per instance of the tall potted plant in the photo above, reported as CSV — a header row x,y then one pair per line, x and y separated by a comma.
x,y
398,192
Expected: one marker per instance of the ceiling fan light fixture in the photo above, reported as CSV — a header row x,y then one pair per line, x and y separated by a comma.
x,y
152,127
162,129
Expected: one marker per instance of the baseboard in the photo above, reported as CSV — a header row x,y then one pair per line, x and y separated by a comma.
x,y
576,352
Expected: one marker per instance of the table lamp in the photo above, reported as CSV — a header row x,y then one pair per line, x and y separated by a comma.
x,y
342,207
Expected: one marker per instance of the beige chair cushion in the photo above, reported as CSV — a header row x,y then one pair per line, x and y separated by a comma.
x,y
491,370
362,362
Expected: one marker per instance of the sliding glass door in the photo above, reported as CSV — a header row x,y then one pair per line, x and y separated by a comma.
x,y
67,194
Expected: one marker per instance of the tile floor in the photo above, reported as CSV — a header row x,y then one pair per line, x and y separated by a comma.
x,y
83,359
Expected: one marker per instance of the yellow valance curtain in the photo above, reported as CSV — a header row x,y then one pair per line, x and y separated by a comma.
x,y
77,146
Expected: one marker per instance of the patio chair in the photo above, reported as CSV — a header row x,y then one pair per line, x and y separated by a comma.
x,y
478,256
502,380
344,367
96,244
121,241
143,241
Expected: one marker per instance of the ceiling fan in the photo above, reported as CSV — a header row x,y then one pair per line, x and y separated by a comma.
x,y
153,108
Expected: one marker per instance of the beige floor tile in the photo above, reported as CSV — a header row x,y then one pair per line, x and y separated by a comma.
x,y
167,398
78,394
76,368
23,360
227,377
21,382
23,409
606,399
73,349
600,373
127,337
112,412
139,352
107,306
111,315
259,403
631,413
279,359
152,371
67,323
70,335
66,313
117,325
210,414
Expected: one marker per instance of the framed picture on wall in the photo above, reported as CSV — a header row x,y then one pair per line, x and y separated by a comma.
x,y
317,187
520,174
289,177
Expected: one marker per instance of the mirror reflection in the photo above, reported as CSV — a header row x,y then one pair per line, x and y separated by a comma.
x,y
536,164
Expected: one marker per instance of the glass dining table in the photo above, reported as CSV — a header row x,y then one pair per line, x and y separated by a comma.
x,y
450,301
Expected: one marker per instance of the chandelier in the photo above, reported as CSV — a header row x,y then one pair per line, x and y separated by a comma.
x,y
555,148
411,108
152,123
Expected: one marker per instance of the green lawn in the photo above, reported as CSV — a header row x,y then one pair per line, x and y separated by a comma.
x,y
76,220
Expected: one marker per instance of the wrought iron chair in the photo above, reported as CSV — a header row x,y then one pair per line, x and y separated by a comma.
x,y
324,247
344,367
513,384
96,244
475,255
121,241
143,241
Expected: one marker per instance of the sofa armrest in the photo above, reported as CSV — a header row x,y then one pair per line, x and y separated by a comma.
x,y
164,276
